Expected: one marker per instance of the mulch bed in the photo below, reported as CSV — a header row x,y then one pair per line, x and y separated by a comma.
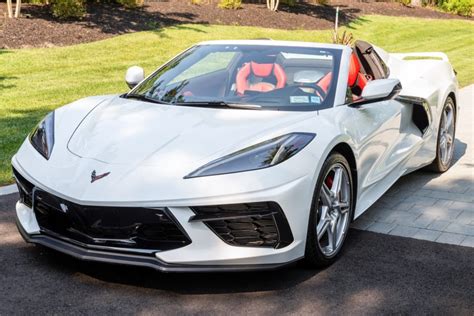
x,y
37,28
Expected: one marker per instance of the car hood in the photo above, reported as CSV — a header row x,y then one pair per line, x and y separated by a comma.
x,y
125,131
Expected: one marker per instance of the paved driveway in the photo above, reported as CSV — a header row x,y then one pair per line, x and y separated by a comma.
x,y
431,206
376,274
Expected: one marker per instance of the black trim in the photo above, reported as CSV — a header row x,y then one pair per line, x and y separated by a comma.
x,y
137,260
129,228
257,224
138,230
25,188
229,215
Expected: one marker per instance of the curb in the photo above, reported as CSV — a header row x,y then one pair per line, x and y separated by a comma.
x,y
9,189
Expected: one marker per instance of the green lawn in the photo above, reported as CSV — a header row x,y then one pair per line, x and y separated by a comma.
x,y
35,81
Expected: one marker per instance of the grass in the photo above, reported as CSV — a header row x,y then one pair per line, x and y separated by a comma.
x,y
36,81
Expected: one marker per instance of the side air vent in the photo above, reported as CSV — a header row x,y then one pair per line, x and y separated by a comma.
x,y
421,113
250,224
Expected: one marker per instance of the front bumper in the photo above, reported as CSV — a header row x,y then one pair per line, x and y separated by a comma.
x,y
114,257
206,252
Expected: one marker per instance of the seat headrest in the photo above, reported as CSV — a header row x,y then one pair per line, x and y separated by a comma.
x,y
354,69
261,70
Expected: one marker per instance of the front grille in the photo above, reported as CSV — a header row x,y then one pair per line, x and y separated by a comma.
x,y
250,224
25,188
122,227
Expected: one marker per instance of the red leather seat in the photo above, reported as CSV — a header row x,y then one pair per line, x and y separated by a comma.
x,y
262,71
325,81
356,80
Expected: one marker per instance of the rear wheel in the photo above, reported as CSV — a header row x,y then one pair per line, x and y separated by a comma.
x,y
446,136
331,212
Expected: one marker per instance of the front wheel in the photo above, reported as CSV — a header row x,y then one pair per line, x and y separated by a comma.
x,y
446,136
331,212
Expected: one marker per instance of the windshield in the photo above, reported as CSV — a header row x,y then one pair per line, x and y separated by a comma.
x,y
264,77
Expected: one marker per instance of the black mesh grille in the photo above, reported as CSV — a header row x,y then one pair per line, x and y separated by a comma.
x,y
24,187
250,224
123,227
248,231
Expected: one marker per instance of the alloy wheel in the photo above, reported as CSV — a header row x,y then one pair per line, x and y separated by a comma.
x,y
333,210
446,135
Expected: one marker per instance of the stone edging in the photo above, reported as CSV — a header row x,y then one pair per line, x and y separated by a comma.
x,y
9,189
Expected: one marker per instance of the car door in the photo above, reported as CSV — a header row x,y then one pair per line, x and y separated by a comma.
x,y
375,129
378,130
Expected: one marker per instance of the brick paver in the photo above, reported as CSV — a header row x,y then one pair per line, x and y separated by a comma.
x,y
430,206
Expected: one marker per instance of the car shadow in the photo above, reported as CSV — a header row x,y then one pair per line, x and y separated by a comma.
x,y
427,183
459,150
55,263
181,283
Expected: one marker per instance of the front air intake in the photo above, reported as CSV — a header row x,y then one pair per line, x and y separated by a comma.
x,y
135,229
261,224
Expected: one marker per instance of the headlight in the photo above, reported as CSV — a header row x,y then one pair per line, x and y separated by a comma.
x,y
42,137
259,156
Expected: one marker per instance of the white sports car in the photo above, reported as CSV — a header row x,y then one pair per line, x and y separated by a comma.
x,y
235,155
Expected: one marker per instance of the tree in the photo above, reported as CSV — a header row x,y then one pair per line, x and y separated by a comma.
x,y
273,4
10,9
18,8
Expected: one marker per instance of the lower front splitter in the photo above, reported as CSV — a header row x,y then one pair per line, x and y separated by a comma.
x,y
114,257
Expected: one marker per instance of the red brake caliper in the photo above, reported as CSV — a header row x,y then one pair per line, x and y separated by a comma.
x,y
329,180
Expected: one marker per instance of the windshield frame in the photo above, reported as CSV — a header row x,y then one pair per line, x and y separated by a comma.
x,y
336,52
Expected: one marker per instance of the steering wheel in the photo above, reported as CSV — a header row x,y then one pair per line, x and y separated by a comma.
x,y
315,87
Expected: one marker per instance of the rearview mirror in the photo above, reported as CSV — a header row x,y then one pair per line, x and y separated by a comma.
x,y
134,76
381,89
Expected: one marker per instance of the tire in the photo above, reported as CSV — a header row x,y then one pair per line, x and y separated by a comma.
x,y
319,253
447,134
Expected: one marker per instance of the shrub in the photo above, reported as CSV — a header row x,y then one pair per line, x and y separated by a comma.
x,y
64,9
230,4
290,3
321,2
461,7
130,3
346,38
35,1
405,2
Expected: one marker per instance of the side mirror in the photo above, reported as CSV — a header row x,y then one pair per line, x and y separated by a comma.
x,y
381,89
134,76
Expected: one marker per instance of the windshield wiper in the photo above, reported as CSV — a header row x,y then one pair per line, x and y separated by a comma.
x,y
142,97
223,104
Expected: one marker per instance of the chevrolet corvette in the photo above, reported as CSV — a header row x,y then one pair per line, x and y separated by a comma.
x,y
235,155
